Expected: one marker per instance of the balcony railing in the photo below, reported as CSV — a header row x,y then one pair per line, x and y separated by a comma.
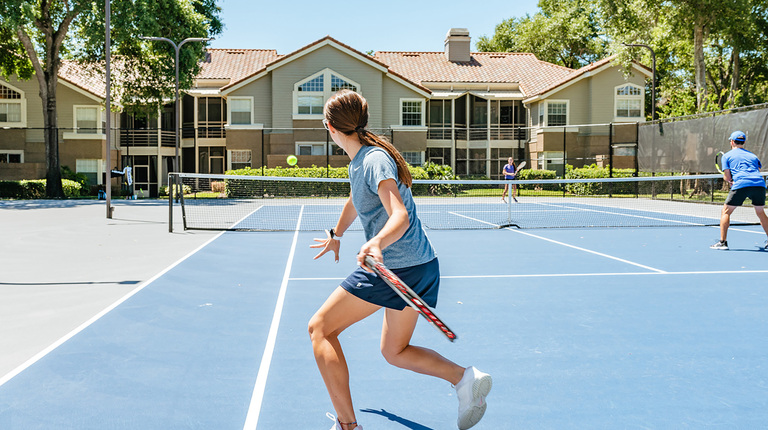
x,y
211,129
499,132
131,137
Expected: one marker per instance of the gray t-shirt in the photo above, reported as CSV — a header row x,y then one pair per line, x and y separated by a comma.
x,y
370,166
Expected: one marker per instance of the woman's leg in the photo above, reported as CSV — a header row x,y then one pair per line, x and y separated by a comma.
x,y
397,350
339,311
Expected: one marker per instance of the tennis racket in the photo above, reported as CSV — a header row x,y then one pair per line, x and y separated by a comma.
x,y
410,297
520,167
719,161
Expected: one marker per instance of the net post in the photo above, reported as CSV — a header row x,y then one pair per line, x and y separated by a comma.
x,y
181,202
171,188
610,158
509,204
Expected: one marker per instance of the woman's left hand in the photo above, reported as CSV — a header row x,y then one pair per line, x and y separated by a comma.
x,y
328,244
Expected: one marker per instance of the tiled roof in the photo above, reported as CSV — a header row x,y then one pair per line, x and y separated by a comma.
x,y
576,73
235,64
419,68
232,64
532,74
86,79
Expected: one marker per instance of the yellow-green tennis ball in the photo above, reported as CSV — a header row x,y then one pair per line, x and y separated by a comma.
x,y
292,160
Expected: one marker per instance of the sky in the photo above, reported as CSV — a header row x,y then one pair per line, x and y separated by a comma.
x,y
365,25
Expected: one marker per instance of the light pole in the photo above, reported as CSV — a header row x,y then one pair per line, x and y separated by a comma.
x,y
176,47
653,82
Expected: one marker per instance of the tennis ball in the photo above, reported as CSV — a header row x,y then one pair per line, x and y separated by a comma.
x,y
292,160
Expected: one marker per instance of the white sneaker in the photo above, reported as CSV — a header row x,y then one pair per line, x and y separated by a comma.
x,y
337,424
471,391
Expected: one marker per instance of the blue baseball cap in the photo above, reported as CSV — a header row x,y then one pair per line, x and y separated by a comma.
x,y
738,136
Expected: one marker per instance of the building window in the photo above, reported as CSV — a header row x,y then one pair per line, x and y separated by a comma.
x,y
211,117
414,158
87,119
241,109
11,106
310,94
439,119
439,155
90,168
557,113
239,159
310,148
412,112
9,156
629,101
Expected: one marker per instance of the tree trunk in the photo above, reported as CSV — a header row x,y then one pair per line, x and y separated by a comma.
x,y
700,67
734,76
53,187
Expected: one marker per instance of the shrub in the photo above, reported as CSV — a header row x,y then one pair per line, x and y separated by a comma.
x,y
67,173
35,189
186,189
11,190
598,188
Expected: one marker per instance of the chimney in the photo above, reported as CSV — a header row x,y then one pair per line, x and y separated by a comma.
x,y
457,45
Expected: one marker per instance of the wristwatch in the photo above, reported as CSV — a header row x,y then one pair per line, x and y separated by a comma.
x,y
332,233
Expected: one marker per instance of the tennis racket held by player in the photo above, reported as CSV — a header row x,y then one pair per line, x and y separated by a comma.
x,y
719,161
410,297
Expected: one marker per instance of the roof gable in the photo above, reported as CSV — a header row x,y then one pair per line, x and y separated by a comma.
x,y
582,73
326,41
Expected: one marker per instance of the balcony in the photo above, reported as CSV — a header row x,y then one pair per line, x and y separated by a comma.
x,y
147,138
498,132
211,129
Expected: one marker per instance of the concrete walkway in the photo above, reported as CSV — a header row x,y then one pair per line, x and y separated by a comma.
x,y
62,262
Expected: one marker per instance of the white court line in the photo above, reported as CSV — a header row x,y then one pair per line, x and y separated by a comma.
x,y
252,418
627,215
96,317
569,275
568,245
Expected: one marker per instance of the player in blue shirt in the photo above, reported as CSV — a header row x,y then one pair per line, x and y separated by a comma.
x,y
381,198
509,172
741,169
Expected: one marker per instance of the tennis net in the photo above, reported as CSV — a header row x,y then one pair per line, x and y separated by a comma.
x,y
259,203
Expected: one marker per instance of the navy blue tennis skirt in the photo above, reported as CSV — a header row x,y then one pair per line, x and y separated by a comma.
x,y
423,279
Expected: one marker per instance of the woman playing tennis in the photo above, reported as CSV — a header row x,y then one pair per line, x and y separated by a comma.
x,y
381,196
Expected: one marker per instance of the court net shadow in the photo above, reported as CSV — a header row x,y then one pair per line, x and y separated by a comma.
x,y
392,417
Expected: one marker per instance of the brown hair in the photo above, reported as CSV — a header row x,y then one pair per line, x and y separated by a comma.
x,y
347,111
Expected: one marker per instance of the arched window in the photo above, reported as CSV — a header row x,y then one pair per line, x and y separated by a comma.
x,y
628,100
310,94
12,107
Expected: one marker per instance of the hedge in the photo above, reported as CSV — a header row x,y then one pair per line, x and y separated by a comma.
x,y
248,188
598,188
35,189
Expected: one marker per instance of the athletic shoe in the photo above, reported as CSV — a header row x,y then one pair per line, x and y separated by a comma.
x,y
515,200
471,391
502,199
721,244
765,246
337,424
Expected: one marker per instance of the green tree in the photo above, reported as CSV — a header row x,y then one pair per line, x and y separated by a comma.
x,y
35,35
564,32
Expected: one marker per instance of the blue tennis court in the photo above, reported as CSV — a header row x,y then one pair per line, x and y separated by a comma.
x,y
580,328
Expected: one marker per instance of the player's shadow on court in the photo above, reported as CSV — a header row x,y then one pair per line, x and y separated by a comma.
x,y
392,417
